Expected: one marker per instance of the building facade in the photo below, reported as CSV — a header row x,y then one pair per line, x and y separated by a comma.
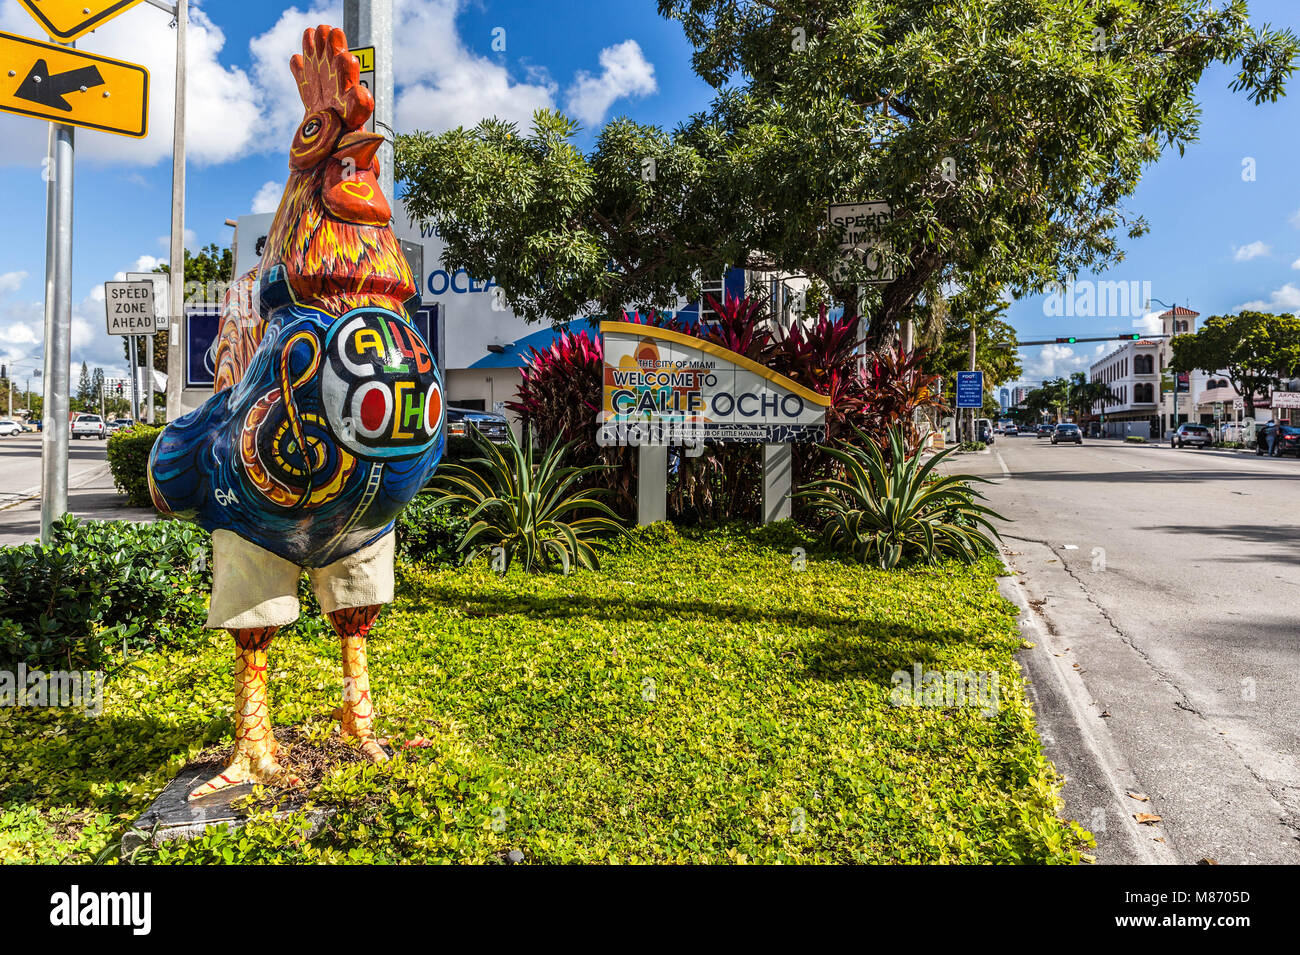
x,y
1132,372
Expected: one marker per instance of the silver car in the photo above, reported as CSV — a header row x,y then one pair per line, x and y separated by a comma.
x,y
1196,435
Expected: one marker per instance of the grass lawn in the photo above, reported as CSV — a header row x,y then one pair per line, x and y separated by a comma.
x,y
699,699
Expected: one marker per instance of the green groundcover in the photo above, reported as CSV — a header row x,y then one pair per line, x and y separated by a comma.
x,y
707,696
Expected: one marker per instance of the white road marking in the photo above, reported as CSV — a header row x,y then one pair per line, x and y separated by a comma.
x,y
1003,464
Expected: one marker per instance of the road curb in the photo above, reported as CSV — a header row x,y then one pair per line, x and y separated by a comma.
x,y
1080,745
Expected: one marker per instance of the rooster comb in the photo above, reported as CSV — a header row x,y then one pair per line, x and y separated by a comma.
x,y
329,77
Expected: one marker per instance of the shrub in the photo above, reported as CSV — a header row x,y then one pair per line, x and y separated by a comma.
x,y
128,459
526,508
102,588
428,530
971,446
888,511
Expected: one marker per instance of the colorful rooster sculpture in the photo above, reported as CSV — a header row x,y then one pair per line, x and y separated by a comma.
x,y
327,417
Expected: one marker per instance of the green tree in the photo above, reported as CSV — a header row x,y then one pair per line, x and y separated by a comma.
x,y
1005,136
1053,397
1084,394
995,342
85,391
1256,350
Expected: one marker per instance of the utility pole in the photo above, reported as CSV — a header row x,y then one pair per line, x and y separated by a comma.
x,y
176,266
370,23
58,328
973,411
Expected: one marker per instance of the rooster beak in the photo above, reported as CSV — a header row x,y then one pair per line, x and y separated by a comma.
x,y
359,146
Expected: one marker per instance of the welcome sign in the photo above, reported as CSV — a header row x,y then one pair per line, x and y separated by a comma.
x,y
694,388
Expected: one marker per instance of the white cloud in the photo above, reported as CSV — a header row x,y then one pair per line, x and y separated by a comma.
x,y
1053,361
1285,299
624,72
268,197
11,281
1296,264
442,84
1148,324
1244,253
222,112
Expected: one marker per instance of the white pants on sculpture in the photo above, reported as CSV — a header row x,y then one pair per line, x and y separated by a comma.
x,y
252,587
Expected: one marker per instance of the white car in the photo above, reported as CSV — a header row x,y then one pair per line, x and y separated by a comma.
x,y
89,426
9,428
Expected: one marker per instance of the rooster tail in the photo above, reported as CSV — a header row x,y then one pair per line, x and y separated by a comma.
x,y
242,328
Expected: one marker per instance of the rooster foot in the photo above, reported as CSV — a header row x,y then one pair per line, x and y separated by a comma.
x,y
372,748
245,767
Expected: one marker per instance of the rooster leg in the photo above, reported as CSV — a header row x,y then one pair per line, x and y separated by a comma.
x,y
253,759
357,715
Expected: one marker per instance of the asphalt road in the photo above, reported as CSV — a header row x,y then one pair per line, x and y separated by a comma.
x,y
1165,589
90,486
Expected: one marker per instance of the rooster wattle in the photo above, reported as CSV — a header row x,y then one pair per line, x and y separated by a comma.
x,y
327,416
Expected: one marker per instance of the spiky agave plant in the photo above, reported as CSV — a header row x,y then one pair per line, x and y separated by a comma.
x,y
528,507
887,511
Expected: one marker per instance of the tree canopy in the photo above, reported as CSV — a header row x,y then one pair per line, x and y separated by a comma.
x,y
1256,350
1005,136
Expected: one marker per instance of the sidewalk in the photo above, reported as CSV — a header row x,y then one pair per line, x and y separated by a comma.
x,y
91,495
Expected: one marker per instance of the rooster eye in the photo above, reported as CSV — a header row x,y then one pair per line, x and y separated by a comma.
x,y
312,128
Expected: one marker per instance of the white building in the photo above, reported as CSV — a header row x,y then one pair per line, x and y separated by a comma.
x,y
1132,373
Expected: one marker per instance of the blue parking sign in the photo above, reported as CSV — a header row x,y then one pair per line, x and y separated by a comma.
x,y
970,389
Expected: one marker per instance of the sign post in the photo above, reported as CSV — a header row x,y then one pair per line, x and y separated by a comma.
x,y
67,88
130,310
970,394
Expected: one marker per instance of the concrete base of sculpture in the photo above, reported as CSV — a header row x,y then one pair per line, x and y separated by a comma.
x,y
174,816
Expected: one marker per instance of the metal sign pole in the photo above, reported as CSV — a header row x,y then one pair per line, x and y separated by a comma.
x,y
135,383
176,265
370,23
55,426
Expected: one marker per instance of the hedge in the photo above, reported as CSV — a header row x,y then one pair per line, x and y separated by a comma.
x,y
128,459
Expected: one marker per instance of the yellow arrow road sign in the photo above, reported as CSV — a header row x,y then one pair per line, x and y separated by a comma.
x,y
64,85
66,20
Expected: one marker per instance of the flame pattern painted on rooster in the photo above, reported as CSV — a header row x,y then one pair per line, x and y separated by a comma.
x,y
327,417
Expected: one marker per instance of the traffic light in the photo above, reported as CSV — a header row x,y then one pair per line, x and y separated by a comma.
x,y
1066,341
1129,338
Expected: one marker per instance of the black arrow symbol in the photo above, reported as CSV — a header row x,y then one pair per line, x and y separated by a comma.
x,y
40,87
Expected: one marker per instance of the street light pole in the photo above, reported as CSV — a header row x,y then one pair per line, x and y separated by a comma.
x,y
1173,417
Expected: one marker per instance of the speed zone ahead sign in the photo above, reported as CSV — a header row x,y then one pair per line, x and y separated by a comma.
x,y
130,308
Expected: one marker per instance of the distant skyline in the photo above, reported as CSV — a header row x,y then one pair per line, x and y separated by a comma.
x,y
1225,218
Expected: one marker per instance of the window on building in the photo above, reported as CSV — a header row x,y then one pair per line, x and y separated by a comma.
x,y
715,287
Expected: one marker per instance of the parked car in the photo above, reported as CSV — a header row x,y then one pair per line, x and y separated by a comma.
x,y
984,431
1066,432
459,421
89,426
1193,434
1043,431
31,424
1288,439
9,427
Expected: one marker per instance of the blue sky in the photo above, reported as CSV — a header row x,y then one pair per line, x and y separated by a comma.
x,y
1217,241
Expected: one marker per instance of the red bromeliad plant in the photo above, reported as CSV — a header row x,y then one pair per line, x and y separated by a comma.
x,y
738,325
560,398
